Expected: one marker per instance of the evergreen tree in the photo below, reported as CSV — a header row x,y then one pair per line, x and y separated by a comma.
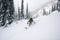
x,y
53,8
6,11
44,12
57,5
49,12
27,15
19,13
1,16
11,11
22,10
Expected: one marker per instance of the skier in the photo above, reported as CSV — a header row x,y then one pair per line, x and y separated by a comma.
x,y
30,21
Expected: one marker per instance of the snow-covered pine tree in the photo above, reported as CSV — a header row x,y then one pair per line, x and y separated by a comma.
x,y
53,8
11,11
6,11
56,6
44,12
1,15
27,15
49,12
19,14
22,10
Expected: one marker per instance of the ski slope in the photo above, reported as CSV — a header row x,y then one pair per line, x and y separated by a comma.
x,y
45,28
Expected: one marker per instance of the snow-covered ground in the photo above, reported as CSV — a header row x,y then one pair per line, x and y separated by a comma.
x,y
45,28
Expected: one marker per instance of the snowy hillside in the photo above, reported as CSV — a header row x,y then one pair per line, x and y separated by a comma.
x,y
47,6
45,28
